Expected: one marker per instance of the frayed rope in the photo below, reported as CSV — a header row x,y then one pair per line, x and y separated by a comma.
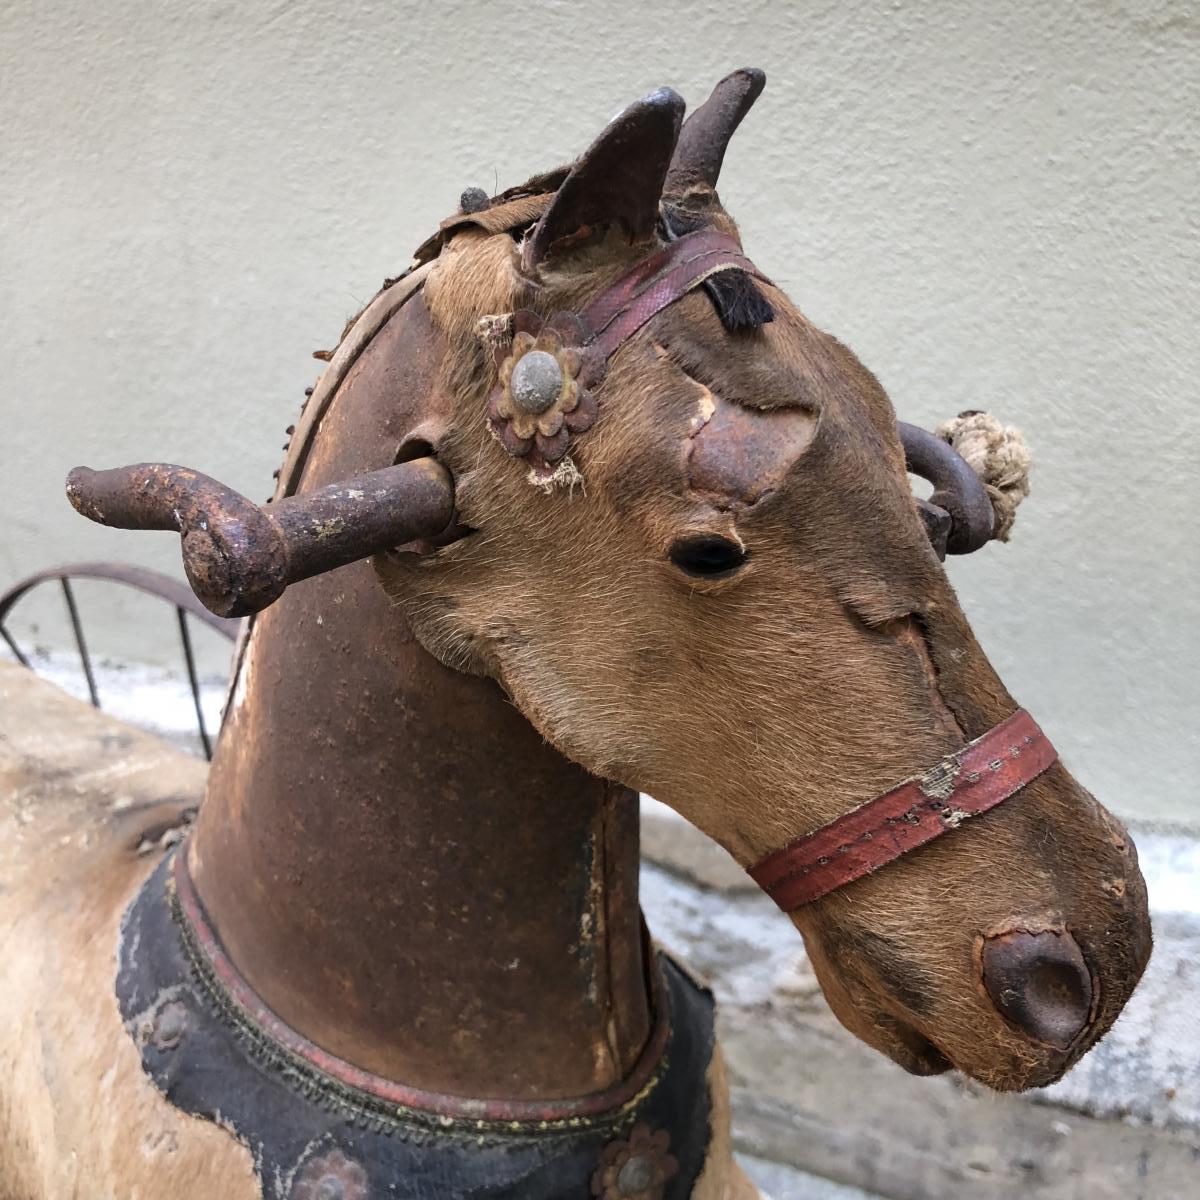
x,y
998,455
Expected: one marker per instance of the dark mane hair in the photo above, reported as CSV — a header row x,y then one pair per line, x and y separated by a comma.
x,y
735,296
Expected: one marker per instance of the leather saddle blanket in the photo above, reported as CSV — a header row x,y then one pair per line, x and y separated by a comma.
x,y
314,1136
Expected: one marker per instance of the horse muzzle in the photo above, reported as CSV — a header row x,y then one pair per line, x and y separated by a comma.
x,y
1039,983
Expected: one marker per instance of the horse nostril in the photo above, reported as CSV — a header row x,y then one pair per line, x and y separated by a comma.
x,y
1040,983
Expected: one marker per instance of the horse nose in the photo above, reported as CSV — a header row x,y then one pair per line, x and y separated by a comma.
x,y
1040,983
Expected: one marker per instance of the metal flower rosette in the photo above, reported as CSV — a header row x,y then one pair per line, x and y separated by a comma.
x,y
544,391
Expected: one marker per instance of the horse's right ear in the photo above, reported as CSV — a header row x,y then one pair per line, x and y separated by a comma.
x,y
618,180
705,136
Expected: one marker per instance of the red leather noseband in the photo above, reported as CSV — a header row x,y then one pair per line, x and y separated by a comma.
x,y
964,784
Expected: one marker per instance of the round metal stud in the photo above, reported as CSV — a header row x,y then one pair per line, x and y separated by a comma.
x,y
635,1176
170,1025
536,382
473,200
330,1188
333,1176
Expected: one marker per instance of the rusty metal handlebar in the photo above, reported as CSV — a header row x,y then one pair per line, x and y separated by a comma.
x,y
240,557
958,516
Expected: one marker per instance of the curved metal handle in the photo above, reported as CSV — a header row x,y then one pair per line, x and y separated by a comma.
x,y
240,557
958,516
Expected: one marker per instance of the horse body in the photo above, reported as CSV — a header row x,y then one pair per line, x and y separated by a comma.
x,y
401,953
81,793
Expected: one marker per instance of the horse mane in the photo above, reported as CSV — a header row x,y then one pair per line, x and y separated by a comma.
x,y
737,298
512,211
738,301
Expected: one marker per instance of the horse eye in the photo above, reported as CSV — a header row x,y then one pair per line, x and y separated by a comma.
x,y
707,556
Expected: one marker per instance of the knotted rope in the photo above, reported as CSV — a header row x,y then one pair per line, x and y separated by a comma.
x,y
998,455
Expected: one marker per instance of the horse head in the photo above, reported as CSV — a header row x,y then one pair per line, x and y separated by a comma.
x,y
672,519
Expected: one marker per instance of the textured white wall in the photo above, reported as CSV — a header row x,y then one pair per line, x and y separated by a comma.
x,y
995,205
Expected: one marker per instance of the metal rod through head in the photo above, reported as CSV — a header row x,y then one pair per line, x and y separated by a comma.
x,y
240,557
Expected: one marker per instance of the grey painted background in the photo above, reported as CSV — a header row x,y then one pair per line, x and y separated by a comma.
x,y
995,205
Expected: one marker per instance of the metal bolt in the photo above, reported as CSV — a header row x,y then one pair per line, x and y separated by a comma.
x,y
330,1187
473,200
536,381
170,1025
635,1176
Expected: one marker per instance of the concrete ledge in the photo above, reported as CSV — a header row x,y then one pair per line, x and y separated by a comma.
x,y
779,1182
1125,1123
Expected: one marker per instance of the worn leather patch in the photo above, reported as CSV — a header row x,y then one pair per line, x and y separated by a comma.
x,y
738,455
212,1060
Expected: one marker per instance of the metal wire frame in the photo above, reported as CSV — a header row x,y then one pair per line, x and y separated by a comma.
x,y
151,583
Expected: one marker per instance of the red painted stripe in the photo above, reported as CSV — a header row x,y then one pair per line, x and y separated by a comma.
x,y
964,784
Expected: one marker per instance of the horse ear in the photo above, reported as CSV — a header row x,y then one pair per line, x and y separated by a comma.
x,y
619,179
706,133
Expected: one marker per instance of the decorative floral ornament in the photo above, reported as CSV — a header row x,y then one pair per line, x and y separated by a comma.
x,y
332,1176
637,1169
543,393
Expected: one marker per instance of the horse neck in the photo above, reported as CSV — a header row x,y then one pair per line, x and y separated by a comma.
x,y
398,865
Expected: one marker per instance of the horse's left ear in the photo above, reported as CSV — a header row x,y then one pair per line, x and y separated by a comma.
x,y
618,180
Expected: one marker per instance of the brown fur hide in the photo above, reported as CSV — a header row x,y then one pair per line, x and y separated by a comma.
x,y
834,664
85,802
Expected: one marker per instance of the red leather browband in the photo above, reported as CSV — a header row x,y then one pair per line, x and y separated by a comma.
x,y
964,784
540,428
657,282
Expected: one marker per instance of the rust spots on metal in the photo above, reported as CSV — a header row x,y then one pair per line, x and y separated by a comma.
x,y
413,916
738,455
240,557
255,1012
958,516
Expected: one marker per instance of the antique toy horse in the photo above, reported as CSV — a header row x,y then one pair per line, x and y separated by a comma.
x,y
609,514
